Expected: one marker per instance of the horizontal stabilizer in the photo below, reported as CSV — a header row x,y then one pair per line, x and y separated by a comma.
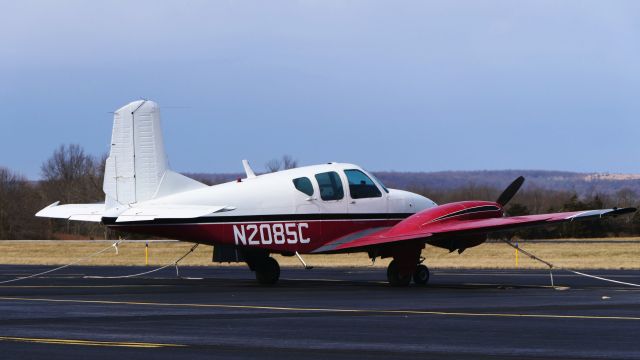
x,y
80,212
148,213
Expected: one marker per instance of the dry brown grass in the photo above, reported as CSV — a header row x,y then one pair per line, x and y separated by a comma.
x,y
619,255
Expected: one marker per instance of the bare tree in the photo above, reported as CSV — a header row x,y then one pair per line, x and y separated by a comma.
x,y
289,162
9,184
273,165
70,175
19,201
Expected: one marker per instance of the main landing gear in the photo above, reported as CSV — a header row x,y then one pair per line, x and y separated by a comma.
x,y
398,276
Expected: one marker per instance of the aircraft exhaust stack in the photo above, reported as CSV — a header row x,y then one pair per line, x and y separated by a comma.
x,y
137,168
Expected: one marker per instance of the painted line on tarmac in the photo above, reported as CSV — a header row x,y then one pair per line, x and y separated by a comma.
x,y
88,342
546,274
23,273
335,280
77,286
328,310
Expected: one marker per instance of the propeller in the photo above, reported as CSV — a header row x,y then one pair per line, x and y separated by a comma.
x,y
510,191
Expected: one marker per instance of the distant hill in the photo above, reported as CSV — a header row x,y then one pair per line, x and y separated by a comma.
x,y
584,184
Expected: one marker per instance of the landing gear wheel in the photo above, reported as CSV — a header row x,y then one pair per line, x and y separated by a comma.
x,y
394,277
421,275
267,271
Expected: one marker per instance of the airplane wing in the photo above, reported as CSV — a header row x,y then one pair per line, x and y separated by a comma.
x,y
95,212
452,228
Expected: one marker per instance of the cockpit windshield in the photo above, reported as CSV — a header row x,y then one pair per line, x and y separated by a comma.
x,y
379,183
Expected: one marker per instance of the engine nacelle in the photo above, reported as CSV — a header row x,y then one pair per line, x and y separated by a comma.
x,y
460,243
444,214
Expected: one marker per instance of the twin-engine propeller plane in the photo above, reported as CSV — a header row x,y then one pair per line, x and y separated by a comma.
x,y
320,209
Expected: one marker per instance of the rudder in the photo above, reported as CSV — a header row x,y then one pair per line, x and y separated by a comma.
x,y
137,163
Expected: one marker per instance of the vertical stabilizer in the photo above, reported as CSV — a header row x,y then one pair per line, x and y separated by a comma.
x,y
137,163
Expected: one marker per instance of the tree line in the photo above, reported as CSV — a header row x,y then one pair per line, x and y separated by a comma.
x,y
70,175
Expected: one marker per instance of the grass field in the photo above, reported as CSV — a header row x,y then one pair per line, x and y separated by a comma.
x,y
622,254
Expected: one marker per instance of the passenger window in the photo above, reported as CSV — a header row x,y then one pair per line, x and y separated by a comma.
x,y
361,186
330,186
303,184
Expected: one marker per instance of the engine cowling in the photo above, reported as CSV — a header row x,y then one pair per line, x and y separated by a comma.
x,y
443,215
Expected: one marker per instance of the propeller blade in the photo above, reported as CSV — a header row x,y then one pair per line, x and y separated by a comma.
x,y
510,191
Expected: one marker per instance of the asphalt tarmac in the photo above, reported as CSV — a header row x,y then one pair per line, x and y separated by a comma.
x,y
316,314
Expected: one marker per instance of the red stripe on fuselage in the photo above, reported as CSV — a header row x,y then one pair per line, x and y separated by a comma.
x,y
302,236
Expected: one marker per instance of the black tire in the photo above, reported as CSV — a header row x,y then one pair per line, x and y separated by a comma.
x,y
394,277
421,275
268,271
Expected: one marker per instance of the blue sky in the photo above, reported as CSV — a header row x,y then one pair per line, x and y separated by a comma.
x,y
423,86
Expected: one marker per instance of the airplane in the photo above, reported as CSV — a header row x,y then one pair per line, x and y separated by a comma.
x,y
321,209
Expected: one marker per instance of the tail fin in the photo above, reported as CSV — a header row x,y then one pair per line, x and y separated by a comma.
x,y
137,168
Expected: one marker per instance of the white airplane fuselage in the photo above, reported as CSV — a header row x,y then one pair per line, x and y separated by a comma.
x,y
292,210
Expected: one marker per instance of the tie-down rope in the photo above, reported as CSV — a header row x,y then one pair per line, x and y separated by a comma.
x,y
114,245
551,267
174,263
79,260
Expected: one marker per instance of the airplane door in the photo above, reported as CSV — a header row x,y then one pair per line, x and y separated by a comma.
x,y
332,205
308,210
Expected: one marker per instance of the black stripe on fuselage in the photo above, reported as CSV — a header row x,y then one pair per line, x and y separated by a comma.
x,y
259,218
472,210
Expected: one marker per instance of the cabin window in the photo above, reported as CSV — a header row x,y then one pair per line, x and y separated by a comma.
x,y
361,186
330,186
303,184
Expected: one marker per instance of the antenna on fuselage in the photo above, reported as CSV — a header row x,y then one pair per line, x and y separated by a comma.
x,y
248,169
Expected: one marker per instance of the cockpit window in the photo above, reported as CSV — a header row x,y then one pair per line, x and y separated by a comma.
x,y
330,186
303,184
380,183
361,186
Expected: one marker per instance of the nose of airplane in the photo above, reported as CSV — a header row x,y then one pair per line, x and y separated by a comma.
x,y
421,202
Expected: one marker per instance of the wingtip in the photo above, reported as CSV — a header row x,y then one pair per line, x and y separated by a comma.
x,y
621,211
41,212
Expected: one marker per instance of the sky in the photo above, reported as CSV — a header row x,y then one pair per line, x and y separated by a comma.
x,y
388,85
